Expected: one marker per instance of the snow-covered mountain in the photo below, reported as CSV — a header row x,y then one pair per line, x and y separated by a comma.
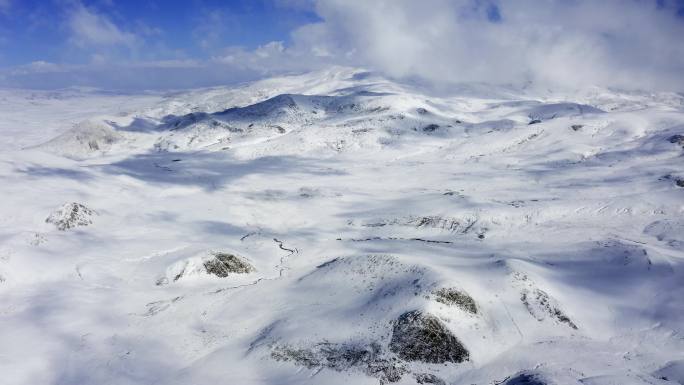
x,y
338,227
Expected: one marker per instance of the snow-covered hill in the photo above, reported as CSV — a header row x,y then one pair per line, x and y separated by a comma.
x,y
337,227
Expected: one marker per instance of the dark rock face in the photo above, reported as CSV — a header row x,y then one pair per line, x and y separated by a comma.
x,y
71,215
526,378
676,139
423,337
534,121
451,296
427,378
678,181
276,105
279,129
342,357
577,127
539,304
180,122
431,128
224,264
456,225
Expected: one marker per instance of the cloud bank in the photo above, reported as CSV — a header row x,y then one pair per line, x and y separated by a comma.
x,y
551,43
621,43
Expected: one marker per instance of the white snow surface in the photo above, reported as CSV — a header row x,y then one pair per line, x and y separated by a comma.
x,y
355,198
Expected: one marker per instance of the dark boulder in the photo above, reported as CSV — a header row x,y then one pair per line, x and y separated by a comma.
x,y
676,139
431,128
223,264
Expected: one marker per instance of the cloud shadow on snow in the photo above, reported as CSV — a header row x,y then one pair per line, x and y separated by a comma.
x,y
55,172
210,170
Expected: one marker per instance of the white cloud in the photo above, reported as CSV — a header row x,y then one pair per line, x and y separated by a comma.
x,y
90,28
624,43
214,24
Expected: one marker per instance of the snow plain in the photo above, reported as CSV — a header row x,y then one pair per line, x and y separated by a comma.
x,y
355,199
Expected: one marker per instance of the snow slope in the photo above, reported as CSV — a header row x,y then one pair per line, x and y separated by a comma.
x,y
284,231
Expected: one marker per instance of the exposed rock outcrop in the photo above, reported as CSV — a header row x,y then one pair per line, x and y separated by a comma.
x,y
431,128
223,264
217,263
526,378
71,215
540,305
427,378
417,336
676,139
342,357
454,297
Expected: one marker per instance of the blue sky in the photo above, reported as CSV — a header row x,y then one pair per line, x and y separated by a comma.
x,y
39,30
170,44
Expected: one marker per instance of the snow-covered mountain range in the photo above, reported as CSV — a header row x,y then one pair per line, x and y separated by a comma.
x,y
338,227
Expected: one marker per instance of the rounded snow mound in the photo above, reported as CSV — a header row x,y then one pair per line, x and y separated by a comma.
x,y
85,139
667,230
382,276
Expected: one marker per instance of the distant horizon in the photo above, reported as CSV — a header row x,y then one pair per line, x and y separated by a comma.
x,y
154,45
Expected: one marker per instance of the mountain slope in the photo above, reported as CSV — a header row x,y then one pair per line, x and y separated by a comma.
x,y
338,227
